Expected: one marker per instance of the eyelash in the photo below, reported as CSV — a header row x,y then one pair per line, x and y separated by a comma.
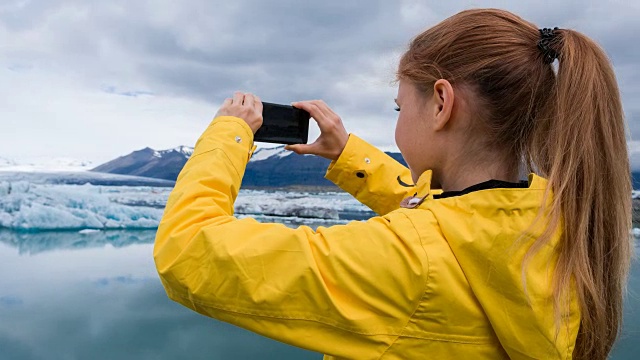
x,y
397,108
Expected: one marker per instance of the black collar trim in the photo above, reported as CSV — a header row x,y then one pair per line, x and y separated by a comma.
x,y
490,184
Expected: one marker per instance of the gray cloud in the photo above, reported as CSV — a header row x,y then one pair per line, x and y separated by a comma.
x,y
342,51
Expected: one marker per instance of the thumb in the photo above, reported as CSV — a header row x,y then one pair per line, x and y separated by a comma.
x,y
299,149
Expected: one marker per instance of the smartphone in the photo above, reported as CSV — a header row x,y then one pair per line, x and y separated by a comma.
x,y
283,124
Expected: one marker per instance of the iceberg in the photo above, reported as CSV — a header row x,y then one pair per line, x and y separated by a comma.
x,y
40,204
31,207
330,205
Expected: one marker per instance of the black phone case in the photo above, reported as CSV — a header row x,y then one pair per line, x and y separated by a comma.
x,y
283,124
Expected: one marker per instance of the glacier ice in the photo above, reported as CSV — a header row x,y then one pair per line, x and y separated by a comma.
x,y
332,205
43,206
29,206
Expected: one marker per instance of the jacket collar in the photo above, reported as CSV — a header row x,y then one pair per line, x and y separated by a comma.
x,y
424,191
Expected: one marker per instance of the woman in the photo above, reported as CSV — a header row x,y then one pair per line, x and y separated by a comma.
x,y
488,267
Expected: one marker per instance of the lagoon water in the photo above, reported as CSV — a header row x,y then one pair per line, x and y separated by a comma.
x,y
96,295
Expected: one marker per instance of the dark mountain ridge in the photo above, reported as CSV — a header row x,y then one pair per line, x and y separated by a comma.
x,y
269,167
165,164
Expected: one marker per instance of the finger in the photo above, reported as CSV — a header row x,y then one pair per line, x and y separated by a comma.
x,y
323,107
248,100
227,102
257,103
238,98
300,149
320,106
326,109
304,105
313,107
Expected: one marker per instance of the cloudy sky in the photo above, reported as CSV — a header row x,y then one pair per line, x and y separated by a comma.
x,y
94,80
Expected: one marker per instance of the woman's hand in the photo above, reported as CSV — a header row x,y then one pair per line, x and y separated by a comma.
x,y
246,106
333,136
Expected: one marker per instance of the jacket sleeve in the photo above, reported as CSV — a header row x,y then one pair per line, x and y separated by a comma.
x,y
371,176
320,290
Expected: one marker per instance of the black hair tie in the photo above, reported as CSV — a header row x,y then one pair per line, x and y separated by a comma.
x,y
546,38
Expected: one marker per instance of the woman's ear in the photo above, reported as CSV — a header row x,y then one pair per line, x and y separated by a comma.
x,y
443,103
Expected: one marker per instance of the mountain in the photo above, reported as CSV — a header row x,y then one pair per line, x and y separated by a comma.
x,y
164,164
268,167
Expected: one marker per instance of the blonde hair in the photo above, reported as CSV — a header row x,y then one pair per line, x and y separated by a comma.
x,y
567,127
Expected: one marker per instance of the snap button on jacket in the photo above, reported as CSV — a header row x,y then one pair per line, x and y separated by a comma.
x,y
440,280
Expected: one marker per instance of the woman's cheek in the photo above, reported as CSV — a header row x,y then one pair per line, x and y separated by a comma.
x,y
399,133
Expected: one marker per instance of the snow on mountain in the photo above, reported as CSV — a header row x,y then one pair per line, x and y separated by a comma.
x,y
159,164
187,151
265,153
44,164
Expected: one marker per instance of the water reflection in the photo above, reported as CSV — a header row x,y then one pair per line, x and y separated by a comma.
x,y
97,296
37,242
628,346
67,295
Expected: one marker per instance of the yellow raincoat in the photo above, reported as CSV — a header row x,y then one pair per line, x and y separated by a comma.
x,y
440,280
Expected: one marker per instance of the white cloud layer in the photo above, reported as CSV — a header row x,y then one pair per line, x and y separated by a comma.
x,y
98,79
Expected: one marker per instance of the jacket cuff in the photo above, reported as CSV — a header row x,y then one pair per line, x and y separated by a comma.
x,y
230,134
351,170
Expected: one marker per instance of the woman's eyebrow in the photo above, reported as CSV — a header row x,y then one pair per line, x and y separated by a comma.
x,y
396,101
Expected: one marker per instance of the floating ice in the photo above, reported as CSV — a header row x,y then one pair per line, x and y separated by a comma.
x,y
331,206
29,206
88,231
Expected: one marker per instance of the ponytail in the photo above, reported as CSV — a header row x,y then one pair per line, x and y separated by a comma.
x,y
580,145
